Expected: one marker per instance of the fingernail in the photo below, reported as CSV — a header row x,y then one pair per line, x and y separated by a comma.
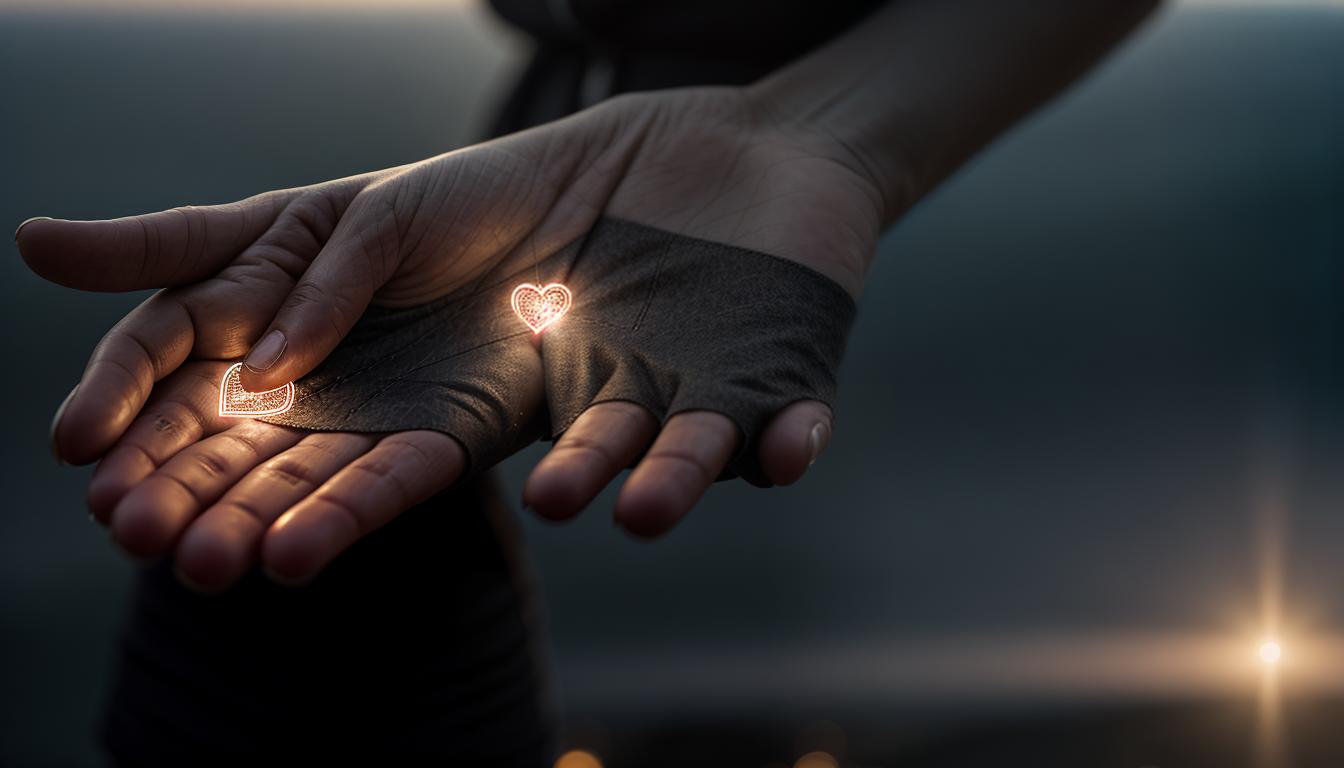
x,y
56,422
25,223
192,585
266,352
817,440
289,581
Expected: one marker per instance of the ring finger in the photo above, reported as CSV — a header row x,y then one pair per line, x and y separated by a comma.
x,y
222,544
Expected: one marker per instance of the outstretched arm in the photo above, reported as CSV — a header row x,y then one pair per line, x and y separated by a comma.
x,y
809,165
919,87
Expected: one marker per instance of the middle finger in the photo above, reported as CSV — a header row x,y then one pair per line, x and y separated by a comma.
x,y
222,544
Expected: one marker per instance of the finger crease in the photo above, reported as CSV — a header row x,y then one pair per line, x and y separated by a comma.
x,y
682,457
346,511
585,446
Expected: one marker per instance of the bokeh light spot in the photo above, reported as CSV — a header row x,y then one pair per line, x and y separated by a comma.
x,y
816,760
578,758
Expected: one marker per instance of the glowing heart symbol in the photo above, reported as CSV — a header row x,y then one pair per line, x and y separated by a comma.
x,y
236,402
539,307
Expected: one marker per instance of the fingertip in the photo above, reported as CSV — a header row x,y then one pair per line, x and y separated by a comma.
x,y
794,440
264,367
646,513
208,561
601,442
552,494
115,476
690,452
151,517
53,441
33,237
141,530
318,313
83,429
817,440
299,545
285,558
68,252
19,229
185,579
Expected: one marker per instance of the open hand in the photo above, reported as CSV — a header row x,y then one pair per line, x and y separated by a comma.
x,y
282,277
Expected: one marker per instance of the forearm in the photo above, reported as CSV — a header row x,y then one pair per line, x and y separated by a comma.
x,y
921,85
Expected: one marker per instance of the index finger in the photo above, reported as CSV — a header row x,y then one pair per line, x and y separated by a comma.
x,y
152,250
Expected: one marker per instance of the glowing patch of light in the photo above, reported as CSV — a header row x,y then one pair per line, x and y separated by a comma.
x,y
816,760
578,758
236,402
1270,652
539,306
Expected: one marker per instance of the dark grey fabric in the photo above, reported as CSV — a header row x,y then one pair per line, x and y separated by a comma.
x,y
415,647
670,322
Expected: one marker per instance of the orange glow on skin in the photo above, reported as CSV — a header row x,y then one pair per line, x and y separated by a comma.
x,y
540,306
237,403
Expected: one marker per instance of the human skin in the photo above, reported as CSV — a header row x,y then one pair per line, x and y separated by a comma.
x,y
810,164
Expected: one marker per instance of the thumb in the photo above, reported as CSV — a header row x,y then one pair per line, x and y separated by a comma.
x,y
154,250
362,254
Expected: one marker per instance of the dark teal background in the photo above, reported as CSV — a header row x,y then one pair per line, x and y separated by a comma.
x,y
1077,367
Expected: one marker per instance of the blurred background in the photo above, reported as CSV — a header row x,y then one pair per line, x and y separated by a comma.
x,y
1090,452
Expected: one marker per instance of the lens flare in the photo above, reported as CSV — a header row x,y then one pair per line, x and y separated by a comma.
x,y
1270,652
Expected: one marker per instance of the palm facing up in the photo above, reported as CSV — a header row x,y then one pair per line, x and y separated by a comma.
x,y
286,274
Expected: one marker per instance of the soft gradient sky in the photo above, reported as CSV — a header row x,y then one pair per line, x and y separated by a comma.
x,y
230,5
291,5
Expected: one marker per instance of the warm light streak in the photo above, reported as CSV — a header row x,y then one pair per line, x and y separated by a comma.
x,y
539,307
1270,492
1101,665
236,402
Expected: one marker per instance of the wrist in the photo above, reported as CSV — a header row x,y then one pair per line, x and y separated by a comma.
x,y
845,135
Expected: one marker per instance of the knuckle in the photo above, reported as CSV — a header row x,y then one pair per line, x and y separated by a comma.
x,y
379,467
579,447
239,441
333,309
246,510
345,511
409,449
671,461
211,463
627,413
174,417
384,474
307,293
290,471
315,215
